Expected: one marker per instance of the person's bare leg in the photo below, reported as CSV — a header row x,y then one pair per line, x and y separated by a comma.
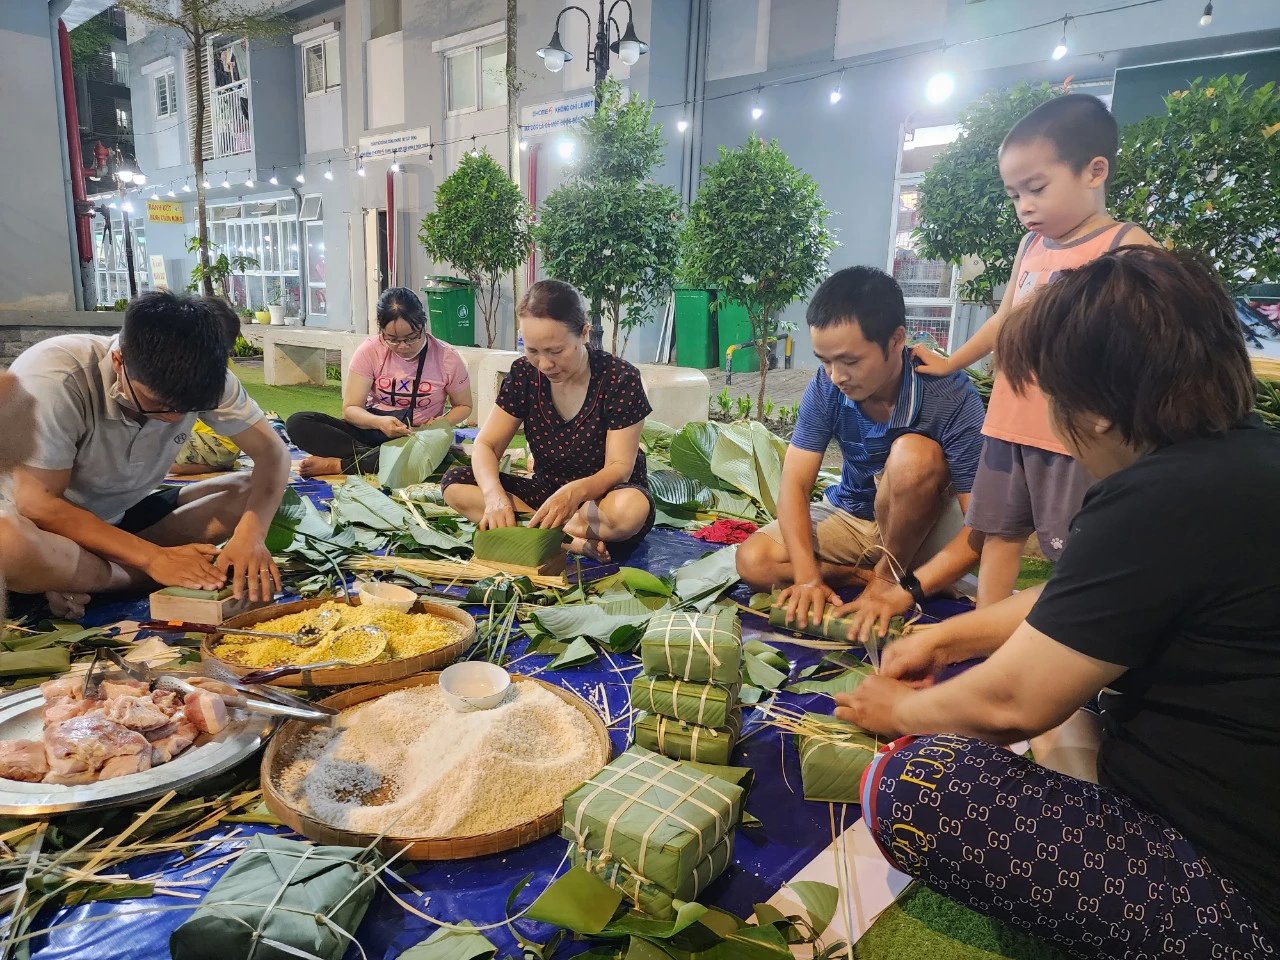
x,y
36,561
620,514
208,512
763,565
467,499
911,496
998,569
1071,747
314,466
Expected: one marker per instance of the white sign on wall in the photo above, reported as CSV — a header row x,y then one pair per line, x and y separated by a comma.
x,y
400,143
542,119
159,276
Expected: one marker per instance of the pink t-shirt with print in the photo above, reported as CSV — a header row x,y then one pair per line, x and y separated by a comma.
x,y
392,377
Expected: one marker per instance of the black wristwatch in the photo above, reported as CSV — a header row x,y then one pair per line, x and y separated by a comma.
x,y
911,583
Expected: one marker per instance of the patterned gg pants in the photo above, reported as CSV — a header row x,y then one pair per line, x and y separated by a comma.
x,y
1073,863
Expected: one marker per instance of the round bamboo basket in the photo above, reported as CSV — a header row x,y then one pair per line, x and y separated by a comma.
x,y
384,670
283,745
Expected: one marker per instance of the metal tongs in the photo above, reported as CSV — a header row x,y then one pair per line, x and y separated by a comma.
x,y
292,708
308,636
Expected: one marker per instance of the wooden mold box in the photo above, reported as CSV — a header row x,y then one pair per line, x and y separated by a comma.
x,y
198,606
553,567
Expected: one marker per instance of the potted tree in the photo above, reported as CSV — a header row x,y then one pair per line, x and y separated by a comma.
x,y
275,308
481,227
757,231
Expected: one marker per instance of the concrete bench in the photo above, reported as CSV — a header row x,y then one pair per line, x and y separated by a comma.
x,y
292,355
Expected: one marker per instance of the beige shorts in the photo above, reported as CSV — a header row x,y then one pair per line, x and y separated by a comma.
x,y
842,538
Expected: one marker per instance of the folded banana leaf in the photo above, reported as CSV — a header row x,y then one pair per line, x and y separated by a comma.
x,y
833,757
655,815
31,663
830,628
281,899
745,777
706,704
702,647
688,741
410,460
650,898
523,546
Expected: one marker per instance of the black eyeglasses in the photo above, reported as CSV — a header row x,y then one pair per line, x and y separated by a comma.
x,y
403,341
133,394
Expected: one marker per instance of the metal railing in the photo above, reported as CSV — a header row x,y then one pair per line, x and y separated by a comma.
x,y
229,120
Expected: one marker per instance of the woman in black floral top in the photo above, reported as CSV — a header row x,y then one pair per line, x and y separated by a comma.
x,y
583,411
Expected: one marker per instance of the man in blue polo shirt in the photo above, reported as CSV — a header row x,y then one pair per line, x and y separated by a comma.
x,y
895,521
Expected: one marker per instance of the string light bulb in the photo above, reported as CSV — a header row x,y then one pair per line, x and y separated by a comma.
x,y
301,177
1060,50
682,125
248,182
205,184
1207,17
565,149
360,170
524,144
274,181
837,92
186,188
328,172
940,87
757,111
395,163
170,194
475,151
226,184
154,196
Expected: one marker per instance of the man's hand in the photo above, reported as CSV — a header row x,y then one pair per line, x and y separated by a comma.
x,y
189,566
872,704
880,601
394,427
247,563
805,602
931,364
498,512
916,658
558,508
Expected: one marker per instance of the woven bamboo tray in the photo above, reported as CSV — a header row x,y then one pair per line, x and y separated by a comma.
x,y
281,750
350,676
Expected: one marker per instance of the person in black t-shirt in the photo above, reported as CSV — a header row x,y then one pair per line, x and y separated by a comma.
x,y
583,412
1167,599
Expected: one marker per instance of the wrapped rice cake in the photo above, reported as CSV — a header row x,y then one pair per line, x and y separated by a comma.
x,y
833,757
706,704
655,815
702,647
688,741
649,898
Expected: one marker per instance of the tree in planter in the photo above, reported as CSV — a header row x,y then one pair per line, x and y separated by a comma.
x,y
1206,176
610,231
757,232
964,209
199,21
218,270
481,227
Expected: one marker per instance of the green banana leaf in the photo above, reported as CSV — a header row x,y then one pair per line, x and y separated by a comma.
x,y
579,901
845,682
32,663
678,492
698,584
578,653
656,438
412,459
362,504
748,457
523,546
453,944
586,620
691,451
300,529
636,581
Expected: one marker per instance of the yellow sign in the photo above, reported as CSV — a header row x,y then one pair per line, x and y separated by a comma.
x,y
165,211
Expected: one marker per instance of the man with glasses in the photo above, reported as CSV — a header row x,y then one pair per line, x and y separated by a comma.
x,y
110,415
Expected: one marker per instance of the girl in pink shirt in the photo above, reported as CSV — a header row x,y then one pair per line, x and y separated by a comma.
x,y
398,381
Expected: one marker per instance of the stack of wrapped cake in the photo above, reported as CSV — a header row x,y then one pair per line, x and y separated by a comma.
x,y
658,830
688,693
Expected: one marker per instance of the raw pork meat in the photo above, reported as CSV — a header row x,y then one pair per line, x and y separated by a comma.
x,y
206,710
72,687
167,700
178,736
82,745
23,760
136,713
110,689
123,766
64,708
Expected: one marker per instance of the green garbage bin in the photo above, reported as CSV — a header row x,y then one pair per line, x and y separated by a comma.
x,y
735,327
696,340
451,305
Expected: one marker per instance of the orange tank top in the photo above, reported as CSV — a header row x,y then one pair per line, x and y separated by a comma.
x,y
1025,419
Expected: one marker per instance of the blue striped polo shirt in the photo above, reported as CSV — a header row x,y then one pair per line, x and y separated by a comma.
x,y
946,409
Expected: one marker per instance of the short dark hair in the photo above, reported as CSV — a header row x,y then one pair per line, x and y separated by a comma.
x,y
863,295
176,345
401,303
1079,126
555,300
1146,338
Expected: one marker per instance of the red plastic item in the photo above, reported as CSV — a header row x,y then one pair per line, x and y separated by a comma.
x,y
726,530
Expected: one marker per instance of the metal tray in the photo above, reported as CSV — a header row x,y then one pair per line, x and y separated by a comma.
x,y
20,719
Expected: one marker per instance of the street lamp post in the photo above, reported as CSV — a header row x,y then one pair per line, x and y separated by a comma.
x,y
629,48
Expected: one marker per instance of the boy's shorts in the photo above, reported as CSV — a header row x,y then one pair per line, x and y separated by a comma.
x,y
843,538
1020,490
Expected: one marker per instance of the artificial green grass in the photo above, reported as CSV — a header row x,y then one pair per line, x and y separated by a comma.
x,y
284,401
1035,571
925,924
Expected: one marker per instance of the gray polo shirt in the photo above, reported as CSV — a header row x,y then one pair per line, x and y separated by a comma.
x,y
114,460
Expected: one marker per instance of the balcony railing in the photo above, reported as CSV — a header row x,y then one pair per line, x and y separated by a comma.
x,y
229,118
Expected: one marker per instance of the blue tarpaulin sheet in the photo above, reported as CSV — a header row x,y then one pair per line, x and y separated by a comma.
x,y
794,830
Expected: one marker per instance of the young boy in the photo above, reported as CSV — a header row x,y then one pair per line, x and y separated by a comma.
x,y
1055,164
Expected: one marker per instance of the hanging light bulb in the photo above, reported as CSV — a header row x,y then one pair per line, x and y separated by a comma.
x,y
757,111
1060,50
837,92
524,144
682,125
1207,17
395,164
274,181
170,194
226,184
940,87
328,171
475,152
565,148
301,177
154,196
186,188
360,170
249,181
139,179
205,184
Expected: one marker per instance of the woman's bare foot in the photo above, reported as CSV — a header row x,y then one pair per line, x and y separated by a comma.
x,y
66,606
594,549
319,466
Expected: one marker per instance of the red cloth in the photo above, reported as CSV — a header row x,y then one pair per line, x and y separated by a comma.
x,y
726,530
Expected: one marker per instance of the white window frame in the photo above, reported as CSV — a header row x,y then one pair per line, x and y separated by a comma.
x,y
473,49
312,284
111,274
169,80
243,232
330,53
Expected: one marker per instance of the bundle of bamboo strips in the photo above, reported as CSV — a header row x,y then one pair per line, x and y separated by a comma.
x,y
445,571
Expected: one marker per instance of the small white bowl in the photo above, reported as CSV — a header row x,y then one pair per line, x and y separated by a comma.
x,y
474,685
386,595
